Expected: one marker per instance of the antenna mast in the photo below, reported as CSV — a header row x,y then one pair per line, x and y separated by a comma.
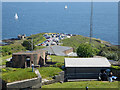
x,y
91,21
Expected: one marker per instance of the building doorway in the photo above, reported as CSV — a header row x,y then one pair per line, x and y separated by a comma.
x,y
28,61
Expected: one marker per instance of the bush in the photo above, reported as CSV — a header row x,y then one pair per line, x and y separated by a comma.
x,y
28,45
86,50
110,55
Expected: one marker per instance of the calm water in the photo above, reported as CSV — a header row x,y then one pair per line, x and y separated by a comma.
x,y
52,17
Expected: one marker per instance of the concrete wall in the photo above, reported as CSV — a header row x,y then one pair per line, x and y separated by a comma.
x,y
28,83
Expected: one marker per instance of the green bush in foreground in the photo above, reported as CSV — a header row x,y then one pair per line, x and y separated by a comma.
x,y
86,50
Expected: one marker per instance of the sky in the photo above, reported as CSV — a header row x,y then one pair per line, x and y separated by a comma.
x,y
59,0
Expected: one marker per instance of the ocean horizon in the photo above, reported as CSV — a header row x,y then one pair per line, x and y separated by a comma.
x,y
41,17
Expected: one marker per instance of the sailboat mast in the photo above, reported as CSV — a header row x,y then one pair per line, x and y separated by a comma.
x,y
91,22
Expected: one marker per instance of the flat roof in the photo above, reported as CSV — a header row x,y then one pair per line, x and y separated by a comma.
x,y
87,62
29,52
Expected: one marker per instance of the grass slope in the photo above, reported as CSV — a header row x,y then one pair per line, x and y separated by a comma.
x,y
58,59
76,40
83,84
16,74
38,38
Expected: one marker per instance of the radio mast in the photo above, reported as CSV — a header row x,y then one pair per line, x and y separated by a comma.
x,y
91,22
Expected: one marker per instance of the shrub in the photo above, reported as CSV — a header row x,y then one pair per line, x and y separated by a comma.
x,y
28,45
110,55
86,50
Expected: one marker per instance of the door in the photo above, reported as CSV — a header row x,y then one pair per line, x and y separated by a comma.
x,y
28,61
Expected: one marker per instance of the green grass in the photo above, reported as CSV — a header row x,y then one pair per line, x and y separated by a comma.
x,y
76,40
58,59
38,38
17,46
111,52
48,72
83,84
16,74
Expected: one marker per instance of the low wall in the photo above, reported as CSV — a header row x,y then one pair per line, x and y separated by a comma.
x,y
28,83
57,78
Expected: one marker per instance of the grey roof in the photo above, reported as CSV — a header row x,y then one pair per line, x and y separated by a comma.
x,y
57,50
87,62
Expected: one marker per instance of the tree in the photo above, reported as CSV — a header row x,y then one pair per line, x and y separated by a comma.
x,y
28,45
86,50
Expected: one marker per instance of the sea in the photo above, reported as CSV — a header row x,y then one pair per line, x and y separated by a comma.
x,y
38,17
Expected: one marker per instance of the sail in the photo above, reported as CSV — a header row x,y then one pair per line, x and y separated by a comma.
x,y
16,16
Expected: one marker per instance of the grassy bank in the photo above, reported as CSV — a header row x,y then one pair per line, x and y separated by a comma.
x,y
105,48
58,59
76,40
16,74
37,38
83,84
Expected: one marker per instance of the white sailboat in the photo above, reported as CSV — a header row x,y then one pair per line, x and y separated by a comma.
x,y
65,6
16,16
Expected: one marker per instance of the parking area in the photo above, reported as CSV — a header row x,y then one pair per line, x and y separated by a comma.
x,y
53,39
